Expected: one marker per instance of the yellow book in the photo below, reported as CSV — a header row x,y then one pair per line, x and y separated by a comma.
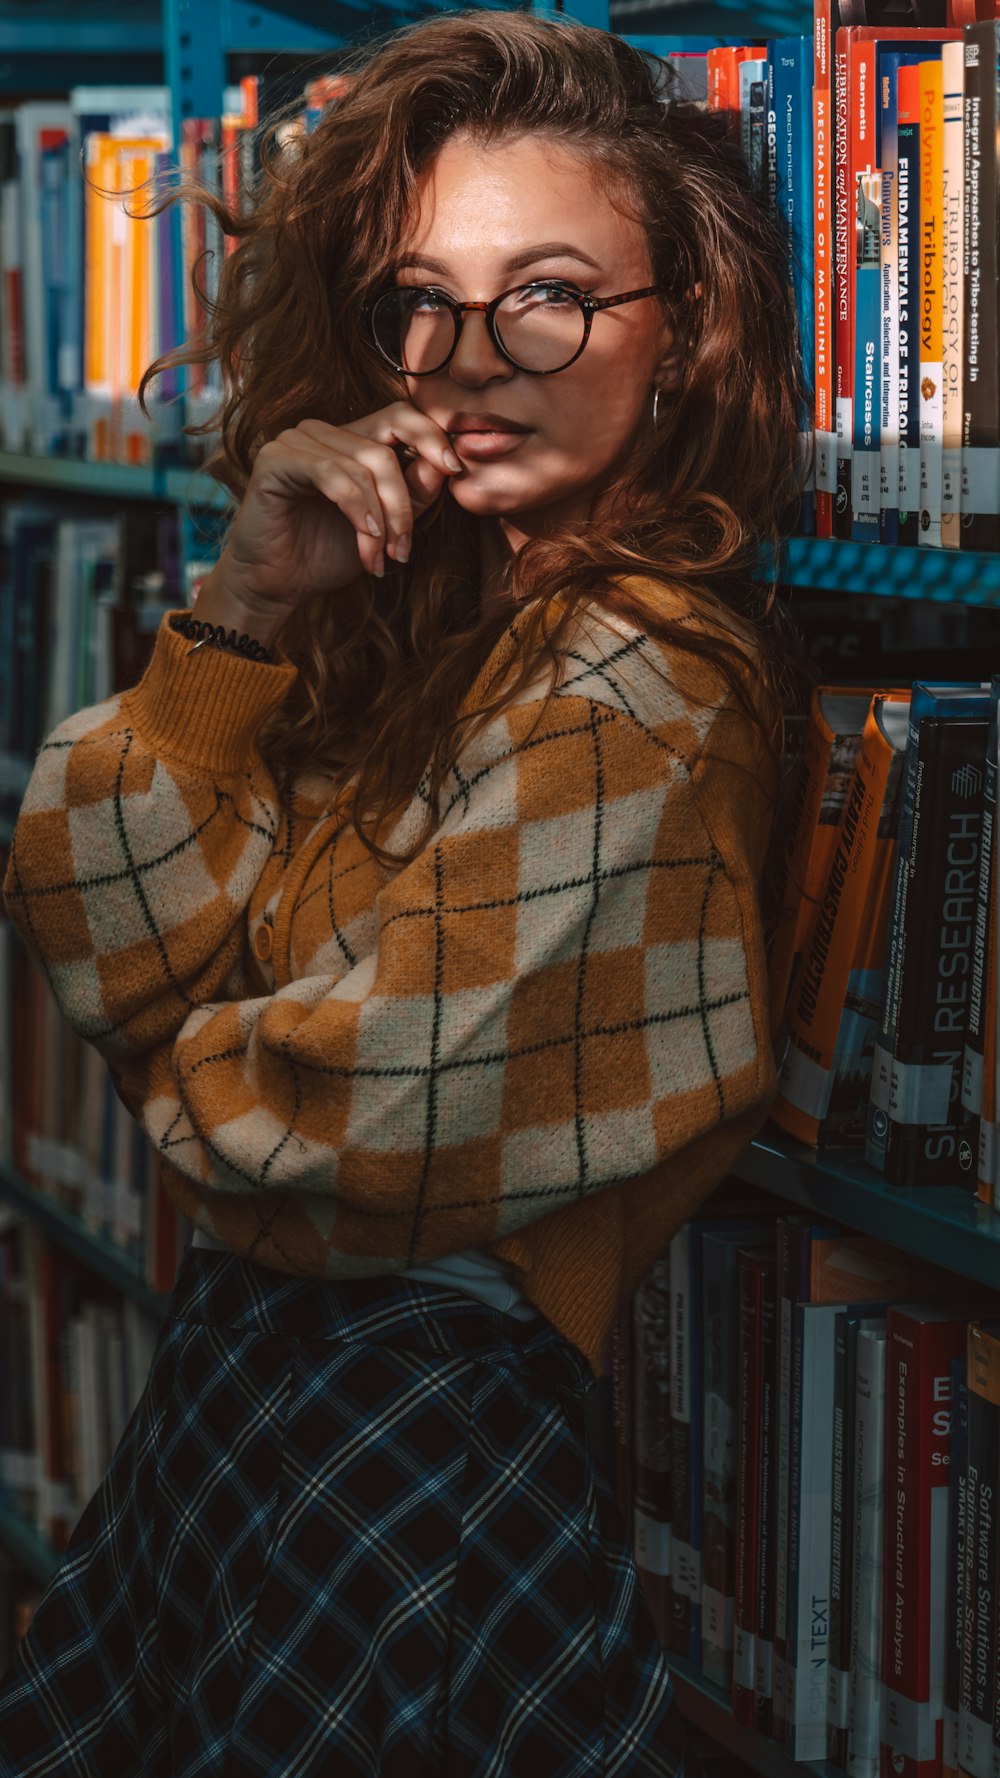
x,y
931,299
825,1072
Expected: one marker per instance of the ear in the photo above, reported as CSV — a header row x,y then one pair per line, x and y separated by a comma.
x,y
677,342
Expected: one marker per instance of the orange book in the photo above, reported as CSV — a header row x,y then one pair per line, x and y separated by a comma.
x,y
825,1072
723,78
832,735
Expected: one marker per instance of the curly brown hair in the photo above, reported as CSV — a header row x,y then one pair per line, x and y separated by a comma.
x,y
384,667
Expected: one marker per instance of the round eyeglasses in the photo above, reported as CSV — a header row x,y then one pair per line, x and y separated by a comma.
x,y
539,328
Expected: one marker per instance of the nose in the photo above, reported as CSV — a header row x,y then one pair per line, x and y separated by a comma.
x,y
476,359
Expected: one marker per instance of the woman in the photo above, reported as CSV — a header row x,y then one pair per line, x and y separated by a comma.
x,y
413,899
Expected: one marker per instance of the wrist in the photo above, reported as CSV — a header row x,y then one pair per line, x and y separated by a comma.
x,y
217,604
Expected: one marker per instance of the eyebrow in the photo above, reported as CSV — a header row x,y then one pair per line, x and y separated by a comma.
x,y
517,262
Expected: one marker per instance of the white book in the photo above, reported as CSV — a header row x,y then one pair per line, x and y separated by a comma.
x,y
864,1680
810,1529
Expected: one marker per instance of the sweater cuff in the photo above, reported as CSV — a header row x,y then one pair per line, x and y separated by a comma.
x,y
203,708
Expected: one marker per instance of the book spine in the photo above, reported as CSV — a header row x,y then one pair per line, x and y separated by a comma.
x,y
957,1478
809,1531
864,1689
908,234
719,1413
843,285
930,1140
751,1280
866,458
824,391
931,264
972,1061
782,1455
651,1440
914,1612
680,1450
849,935
981,378
952,217
766,1531
838,1665
979,1640
889,335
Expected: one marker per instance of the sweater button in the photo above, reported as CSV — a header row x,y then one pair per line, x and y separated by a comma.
x,y
262,942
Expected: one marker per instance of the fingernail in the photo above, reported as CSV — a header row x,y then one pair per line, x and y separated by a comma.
x,y
380,564
373,525
451,461
403,547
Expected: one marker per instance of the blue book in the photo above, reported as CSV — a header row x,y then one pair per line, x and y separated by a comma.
x,y
926,700
790,82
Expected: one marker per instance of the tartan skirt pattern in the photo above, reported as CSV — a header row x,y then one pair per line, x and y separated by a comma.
x,y
352,1527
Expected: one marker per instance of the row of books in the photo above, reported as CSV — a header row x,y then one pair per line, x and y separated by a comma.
x,y
93,285
878,145
81,597
74,1358
883,962
805,1449
67,1135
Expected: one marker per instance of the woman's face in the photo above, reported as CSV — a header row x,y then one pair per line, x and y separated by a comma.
x,y
489,218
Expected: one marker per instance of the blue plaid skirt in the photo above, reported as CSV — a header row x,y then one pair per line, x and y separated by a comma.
x,y
351,1528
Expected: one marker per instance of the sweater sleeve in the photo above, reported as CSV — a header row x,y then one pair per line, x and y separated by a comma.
x,y
145,825
557,1000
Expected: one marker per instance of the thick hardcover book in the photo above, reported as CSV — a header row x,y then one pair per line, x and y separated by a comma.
x,y
864,1686
979,1638
921,1344
809,1528
866,454
847,1326
972,1062
981,380
955,1623
931,1139
720,1334
908,275
979,1641
651,1440
825,1072
986,1171
765,1522
756,1267
926,699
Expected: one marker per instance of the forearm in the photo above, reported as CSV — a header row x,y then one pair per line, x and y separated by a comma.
x,y
219,603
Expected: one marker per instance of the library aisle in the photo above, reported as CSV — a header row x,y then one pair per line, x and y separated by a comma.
x,y
799,1411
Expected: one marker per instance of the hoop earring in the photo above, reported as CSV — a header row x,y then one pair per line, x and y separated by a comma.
x,y
656,404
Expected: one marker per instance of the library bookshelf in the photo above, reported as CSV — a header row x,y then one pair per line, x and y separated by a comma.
x,y
185,45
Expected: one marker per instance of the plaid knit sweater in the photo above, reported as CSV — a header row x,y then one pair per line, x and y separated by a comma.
x,y
545,1037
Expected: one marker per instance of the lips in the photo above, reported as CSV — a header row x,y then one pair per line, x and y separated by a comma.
x,y
490,424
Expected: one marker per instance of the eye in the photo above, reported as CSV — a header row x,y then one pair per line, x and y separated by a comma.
x,y
549,295
420,299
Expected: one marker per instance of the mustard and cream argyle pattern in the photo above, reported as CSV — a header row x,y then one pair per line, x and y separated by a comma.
x,y
352,1069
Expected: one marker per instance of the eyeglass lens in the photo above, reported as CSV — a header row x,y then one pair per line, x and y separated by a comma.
x,y
541,327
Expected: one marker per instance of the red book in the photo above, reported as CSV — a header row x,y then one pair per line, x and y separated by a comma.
x,y
921,1343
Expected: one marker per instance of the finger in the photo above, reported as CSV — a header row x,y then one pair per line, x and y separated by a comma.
x,y
425,482
341,480
403,424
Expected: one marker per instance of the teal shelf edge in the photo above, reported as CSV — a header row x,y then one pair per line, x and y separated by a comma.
x,y
125,481
894,571
28,1546
707,1707
69,1233
949,1227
